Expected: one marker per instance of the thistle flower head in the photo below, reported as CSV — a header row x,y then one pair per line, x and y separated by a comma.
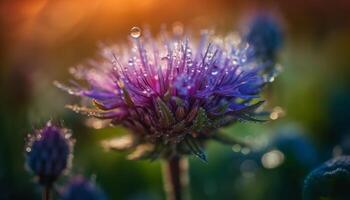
x,y
173,92
79,188
48,152
331,180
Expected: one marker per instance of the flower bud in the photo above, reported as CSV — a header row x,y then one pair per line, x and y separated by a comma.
x,y
49,153
80,188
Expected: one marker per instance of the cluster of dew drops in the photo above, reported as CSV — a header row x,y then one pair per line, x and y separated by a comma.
x,y
135,33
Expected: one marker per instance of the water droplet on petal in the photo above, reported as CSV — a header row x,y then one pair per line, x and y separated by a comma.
x,y
28,149
214,73
235,61
135,32
243,59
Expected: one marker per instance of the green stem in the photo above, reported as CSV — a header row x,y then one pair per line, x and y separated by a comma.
x,y
46,193
176,179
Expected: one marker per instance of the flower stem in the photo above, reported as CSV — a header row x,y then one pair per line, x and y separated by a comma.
x,y
46,193
176,179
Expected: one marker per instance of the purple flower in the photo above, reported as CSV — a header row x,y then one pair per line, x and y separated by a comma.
x,y
48,153
80,188
172,92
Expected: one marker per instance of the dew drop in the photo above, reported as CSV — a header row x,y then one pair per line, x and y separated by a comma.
x,y
235,61
135,32
244,59
214,73
28,149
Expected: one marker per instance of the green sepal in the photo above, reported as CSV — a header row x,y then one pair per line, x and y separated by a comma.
x,y
195,148
166,116
201,121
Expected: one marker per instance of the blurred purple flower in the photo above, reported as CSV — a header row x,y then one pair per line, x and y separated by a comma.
x,y
79,188
264,33
49,153
331,180
173,92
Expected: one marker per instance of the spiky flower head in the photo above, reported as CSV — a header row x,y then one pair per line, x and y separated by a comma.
x,y
49,152
80,188
173,92
331,180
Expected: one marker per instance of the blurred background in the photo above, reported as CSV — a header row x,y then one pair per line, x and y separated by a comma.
x,y
310,100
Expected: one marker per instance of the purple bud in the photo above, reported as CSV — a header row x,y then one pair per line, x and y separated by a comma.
x,y
331,180
49,152
265,35
79,188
